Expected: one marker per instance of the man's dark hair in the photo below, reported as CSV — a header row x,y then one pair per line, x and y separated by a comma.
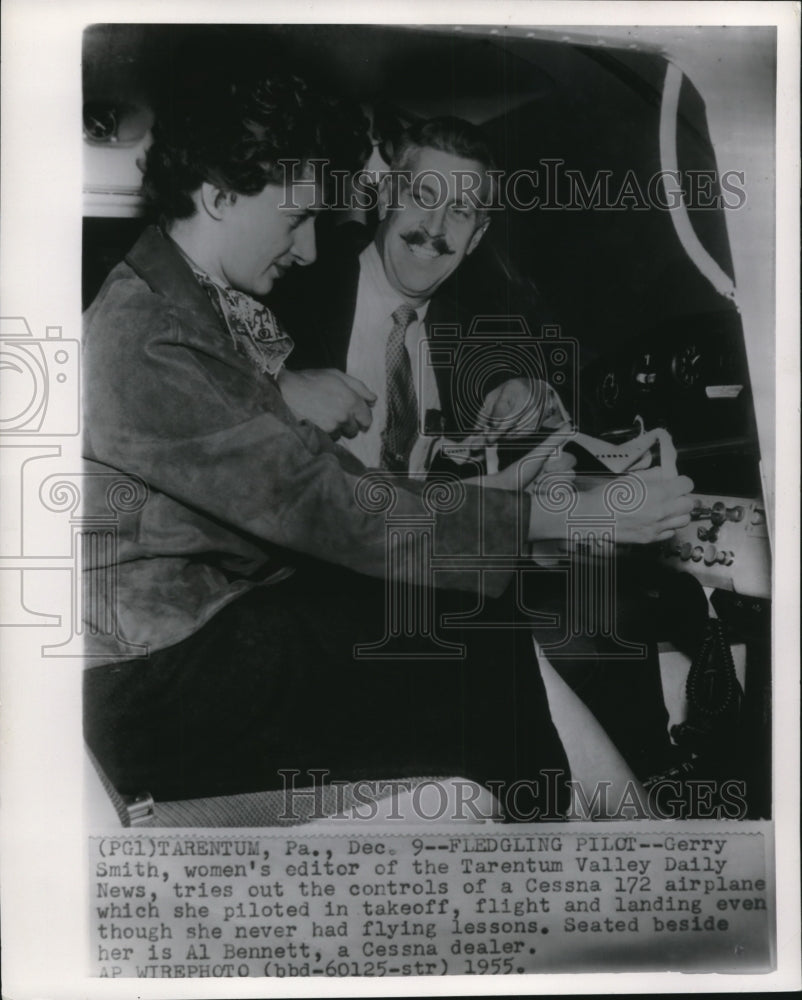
x,y
234,133
447,134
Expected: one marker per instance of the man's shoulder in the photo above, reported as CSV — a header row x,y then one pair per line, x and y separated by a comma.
x,y
445,309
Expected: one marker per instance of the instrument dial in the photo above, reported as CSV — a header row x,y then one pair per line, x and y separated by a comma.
x,y
686,366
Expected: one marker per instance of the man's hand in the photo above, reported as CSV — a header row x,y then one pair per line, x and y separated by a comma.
x,y
520,405
338,403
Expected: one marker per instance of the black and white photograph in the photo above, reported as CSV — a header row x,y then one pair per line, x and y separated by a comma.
x,y
394,503
539,230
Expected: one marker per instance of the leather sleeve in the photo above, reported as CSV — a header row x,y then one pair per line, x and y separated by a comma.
x,y
199,427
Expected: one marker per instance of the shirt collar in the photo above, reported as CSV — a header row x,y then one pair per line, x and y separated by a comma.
x,y
386,297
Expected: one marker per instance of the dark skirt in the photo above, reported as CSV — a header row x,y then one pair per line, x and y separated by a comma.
x,y
272,685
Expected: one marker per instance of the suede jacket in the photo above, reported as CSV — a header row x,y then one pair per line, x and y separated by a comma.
x,y
227,486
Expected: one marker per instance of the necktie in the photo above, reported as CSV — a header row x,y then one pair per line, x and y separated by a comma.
x,y
401,428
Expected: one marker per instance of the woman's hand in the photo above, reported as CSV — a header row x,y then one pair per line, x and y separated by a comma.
x,y
651,505
338,403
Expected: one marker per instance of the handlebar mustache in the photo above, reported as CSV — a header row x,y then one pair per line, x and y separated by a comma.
x,y
418,238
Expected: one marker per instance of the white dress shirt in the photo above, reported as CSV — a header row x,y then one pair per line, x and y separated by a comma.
x,y
376,301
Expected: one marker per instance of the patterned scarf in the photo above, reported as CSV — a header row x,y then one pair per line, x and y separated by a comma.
x,y
255,330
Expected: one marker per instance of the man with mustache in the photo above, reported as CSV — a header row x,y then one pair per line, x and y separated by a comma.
x,y
434,208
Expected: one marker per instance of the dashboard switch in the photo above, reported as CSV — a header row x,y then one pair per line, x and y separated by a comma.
x,y
707,534
727,548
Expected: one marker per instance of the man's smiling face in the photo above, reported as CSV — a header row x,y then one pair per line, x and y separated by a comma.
x,y
428,226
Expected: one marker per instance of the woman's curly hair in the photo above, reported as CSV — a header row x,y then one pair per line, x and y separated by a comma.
x,y
234,133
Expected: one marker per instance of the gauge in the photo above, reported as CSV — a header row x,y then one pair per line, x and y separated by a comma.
x,y
100,122
686,366
609,390
644,373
